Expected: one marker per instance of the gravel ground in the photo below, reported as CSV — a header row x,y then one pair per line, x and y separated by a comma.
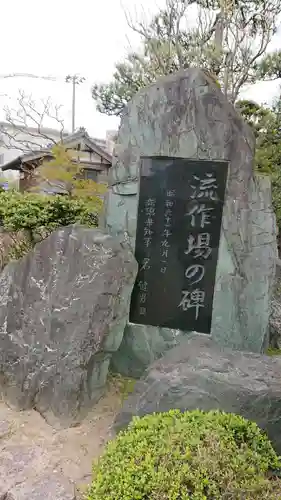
x,y
38,462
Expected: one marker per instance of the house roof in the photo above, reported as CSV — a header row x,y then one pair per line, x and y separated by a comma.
x,y
18,163
81,134
93,144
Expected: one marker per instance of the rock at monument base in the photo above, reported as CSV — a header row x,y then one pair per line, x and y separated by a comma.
x,y
141,345
63,310
186,115
199,374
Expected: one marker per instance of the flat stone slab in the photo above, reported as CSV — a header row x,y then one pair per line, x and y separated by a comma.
x,y
19,461
198,373
38,462
52,486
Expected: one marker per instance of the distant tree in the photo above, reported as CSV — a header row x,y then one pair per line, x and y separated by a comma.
x,y
228,38
257,116
269,67
266,124
65,171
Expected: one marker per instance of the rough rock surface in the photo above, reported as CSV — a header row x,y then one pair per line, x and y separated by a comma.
x,y
140,346
186,115
200,374
275,314
63,310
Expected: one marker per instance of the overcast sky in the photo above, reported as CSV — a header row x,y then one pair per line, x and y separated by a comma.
x,y
58,37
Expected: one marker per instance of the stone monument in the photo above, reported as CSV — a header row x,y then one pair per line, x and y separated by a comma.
x,y
185,116
178,234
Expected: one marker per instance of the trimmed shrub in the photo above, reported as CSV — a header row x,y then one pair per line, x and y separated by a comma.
x,y
192,455
30,212
35,216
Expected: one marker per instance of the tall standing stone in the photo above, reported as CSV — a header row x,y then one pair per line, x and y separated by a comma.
x,y
186,115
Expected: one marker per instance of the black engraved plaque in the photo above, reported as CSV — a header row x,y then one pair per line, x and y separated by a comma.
x,y
178,234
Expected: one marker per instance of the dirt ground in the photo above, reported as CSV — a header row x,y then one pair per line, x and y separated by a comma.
x,y
38,462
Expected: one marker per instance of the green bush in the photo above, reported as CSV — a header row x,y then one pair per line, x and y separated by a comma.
x,y
28,211
273,351
38,215
192,455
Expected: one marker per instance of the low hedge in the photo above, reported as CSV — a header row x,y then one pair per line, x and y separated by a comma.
x,y
192,455
29,217
31,212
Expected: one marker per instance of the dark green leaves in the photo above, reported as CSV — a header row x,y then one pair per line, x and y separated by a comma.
x,y
37,215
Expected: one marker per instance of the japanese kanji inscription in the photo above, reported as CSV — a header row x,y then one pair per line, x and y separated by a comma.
x,y
178,234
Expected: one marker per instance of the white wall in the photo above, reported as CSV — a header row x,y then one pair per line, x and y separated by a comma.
x,y
12,143
12,148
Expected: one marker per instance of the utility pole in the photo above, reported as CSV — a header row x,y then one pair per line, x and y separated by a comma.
x,y
75,80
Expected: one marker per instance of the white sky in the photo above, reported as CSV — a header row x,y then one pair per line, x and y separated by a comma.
x,y
59,37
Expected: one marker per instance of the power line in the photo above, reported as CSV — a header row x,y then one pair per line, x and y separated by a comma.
x,y
74,79
28,75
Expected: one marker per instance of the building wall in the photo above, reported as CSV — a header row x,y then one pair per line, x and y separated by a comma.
x,y
111,136
12,148
7,153
103,176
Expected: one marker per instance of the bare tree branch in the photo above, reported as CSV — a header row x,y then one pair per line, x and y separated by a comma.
x,y
245,55
28,119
